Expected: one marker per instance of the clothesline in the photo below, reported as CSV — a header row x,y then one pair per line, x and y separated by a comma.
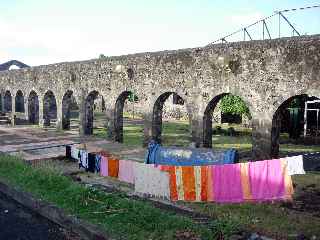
x,y
237,182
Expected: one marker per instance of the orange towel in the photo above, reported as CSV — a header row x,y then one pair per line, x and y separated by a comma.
x,y
189,187
204,183
287,180
245,182
113,167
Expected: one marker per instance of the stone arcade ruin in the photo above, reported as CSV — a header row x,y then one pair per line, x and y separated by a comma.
x,y
265,74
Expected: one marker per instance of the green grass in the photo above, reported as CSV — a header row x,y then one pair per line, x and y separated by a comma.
x,y
177,133
273,220
116,213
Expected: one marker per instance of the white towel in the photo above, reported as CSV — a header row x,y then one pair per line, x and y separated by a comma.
x,y
295,165
74,153
150,180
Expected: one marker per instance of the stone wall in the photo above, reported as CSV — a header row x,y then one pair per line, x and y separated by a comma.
x,y
263,73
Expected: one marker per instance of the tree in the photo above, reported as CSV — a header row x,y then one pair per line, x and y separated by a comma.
x,y
234,105
102,56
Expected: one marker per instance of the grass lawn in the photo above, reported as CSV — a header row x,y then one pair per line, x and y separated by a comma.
x,y
119,215
176,133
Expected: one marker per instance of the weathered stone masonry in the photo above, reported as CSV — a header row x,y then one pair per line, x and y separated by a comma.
x,y
263,73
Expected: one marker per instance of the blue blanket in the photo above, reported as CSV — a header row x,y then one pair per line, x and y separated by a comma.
x,y
156,154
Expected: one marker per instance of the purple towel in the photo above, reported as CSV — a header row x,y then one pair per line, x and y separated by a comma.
x,y
104,166
266,180
227,183
126,173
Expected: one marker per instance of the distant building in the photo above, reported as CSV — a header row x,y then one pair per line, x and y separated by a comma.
x,y
13,64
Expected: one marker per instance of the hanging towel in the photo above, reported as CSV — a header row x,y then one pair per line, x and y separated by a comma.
x,y
97,163
267,180
151,181
83,160
104,166
126,172
245,181
113,167
227,183
295,165
91,162
187,183
75,152
68,151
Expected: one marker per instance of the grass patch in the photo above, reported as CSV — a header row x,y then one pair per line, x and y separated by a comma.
x,y
275,219
118,215
177,133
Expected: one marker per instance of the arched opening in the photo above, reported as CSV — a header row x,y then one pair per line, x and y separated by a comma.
x,y
19,102
174,130
94,114
296,126
226,124
7,101
70,111
33,108
128,123
14,67
49,108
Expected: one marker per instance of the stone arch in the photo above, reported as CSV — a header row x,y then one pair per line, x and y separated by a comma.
x,y
19,100
33,108
7,101
49,108
277,120
118,115
207,120
208,117
89,112
69,103
157,114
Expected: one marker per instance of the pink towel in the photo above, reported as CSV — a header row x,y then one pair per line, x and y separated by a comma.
x,y
126,173
104,166
227,183
266,180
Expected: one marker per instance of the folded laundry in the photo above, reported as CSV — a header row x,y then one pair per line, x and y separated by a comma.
x,y
157,154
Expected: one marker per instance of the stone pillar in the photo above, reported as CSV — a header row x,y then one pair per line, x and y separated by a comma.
x,y
41,121
26,109
147,128
262,146
59,116
110,123
13,112
196,126
82,114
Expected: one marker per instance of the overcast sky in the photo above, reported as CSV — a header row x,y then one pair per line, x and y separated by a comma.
x,y
40,32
